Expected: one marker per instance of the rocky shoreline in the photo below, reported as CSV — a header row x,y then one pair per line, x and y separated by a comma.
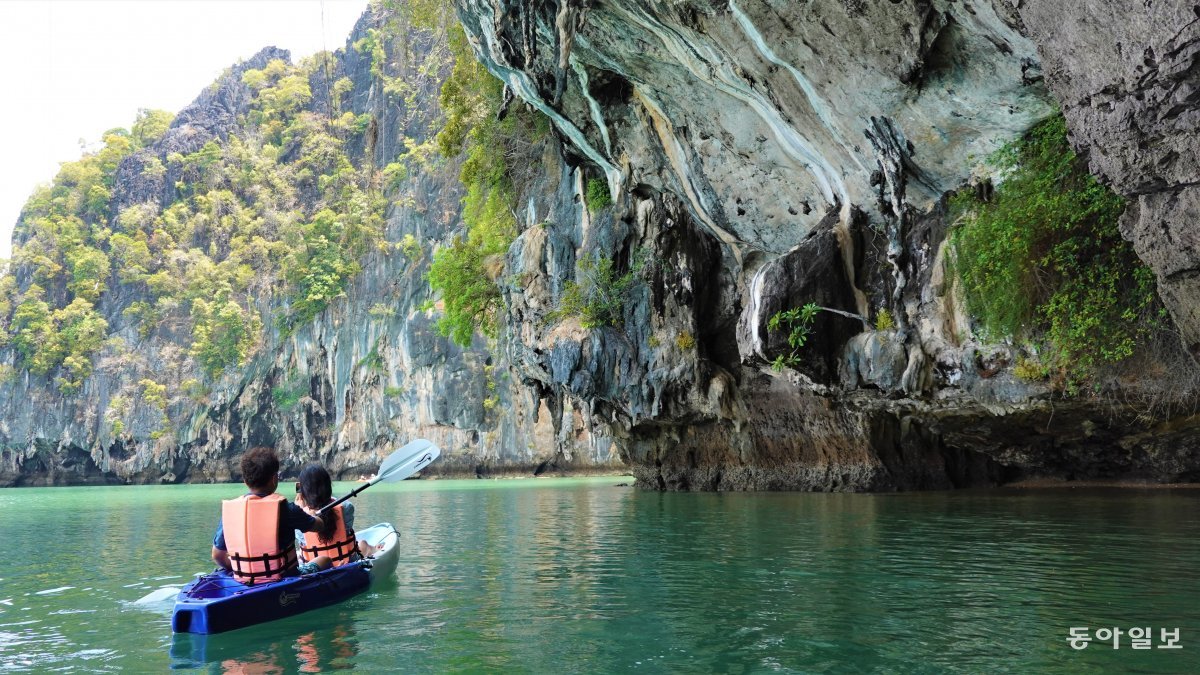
x,y
431,474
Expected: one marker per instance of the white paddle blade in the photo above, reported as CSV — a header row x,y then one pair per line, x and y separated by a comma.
x,y
158,596
399,465
406,454
415,463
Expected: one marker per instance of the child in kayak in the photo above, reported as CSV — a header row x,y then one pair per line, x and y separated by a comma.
x,y
254,538
335,536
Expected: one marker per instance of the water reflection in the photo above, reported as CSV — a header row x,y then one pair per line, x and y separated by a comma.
x,y
285,646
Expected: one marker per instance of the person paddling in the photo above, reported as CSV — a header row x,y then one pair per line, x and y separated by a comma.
x,y
254,539
335,537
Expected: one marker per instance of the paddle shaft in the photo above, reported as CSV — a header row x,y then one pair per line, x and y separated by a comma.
x,y
343,498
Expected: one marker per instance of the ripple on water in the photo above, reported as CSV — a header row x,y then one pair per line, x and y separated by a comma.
x,y
52,591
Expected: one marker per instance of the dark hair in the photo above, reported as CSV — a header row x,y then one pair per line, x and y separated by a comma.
x,y
317,490
259,466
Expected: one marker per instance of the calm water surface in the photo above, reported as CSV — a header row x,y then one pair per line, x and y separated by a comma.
x,y
584,576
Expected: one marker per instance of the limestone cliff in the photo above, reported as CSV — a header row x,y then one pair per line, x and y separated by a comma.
x,y
757,156
767,154
363,376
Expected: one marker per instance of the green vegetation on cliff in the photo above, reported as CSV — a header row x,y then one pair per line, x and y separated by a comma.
x,y
262,226
63,262
599,294
466,271
797,322
277,210
1042,259
598,195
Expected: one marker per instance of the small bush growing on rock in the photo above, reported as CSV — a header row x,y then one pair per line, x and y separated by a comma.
x,y
118,407
373,361
382,310
154,393
394,175
225,334
1043,258
884,320
193,389
287,396
685,342
599,294
798,322
1030,370
598,195
144,314
410,247
472,300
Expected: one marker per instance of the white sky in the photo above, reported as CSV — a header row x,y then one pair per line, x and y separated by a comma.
x,y
72,69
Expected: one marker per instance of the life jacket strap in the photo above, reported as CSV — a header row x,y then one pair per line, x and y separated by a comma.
x,y
273,565
345,548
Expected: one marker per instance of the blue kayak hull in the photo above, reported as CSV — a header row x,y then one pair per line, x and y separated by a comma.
x,y
215,603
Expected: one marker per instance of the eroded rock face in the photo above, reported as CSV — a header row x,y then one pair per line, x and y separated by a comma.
x,y
760,115
766,155
1137,119
760,156
365,376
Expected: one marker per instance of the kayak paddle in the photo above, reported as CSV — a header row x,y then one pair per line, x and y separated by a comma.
x,y
399,465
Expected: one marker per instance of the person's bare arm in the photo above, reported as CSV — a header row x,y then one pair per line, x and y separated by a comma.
x,y
221,558
317,522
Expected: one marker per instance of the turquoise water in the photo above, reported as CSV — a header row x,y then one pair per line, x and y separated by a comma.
x,y
580,575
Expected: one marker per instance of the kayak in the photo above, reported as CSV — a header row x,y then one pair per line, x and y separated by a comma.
x,y
216,602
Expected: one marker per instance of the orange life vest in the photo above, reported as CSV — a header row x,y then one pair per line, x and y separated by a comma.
x,y
251,525
340,547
